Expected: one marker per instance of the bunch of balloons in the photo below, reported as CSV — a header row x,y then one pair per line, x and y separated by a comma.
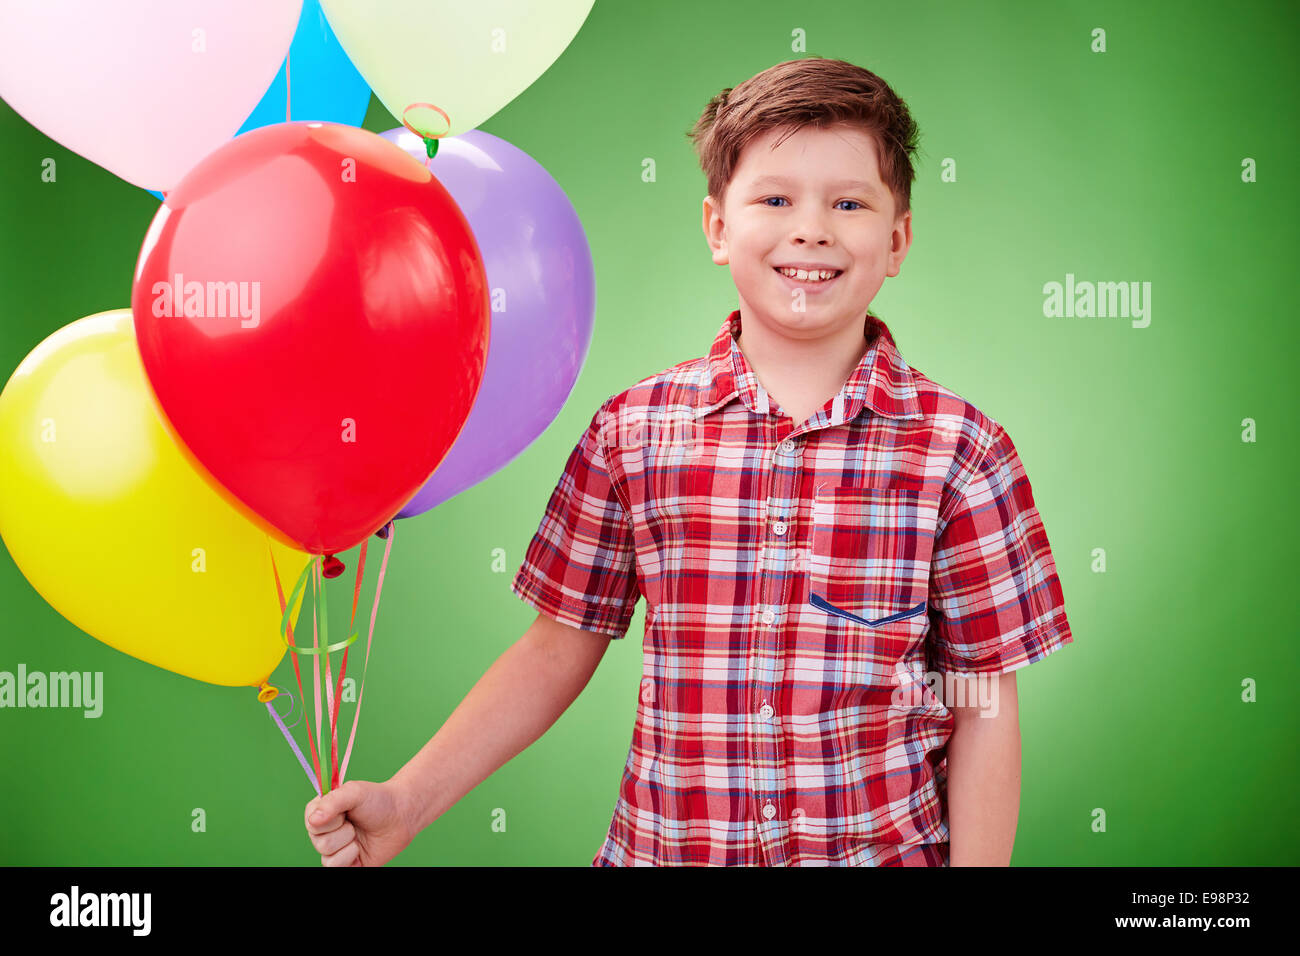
x,y
329,329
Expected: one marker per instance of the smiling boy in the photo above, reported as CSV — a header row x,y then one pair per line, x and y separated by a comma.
x,y
815,527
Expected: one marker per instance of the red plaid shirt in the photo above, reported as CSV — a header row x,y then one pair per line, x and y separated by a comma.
x,y
800,583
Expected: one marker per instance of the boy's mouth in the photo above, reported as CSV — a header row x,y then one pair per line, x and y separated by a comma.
x,y
810,279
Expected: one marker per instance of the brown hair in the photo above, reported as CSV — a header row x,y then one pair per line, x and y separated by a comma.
x,y
813,91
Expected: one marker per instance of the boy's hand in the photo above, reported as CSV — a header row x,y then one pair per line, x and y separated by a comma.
x,y
359,824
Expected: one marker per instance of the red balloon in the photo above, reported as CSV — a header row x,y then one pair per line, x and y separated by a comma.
x,y
312,313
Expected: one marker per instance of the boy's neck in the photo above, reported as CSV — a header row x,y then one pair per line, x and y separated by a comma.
x,y
801,375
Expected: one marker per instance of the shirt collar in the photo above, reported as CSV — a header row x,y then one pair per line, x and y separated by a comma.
x,y
882,381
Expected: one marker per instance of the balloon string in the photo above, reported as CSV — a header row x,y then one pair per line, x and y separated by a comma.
x,y
338,695
287,630
329,683
320,644
315,643
379,587
287,113
356,592
294,744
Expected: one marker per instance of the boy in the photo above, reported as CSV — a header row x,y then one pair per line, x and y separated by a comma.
x,y
815,527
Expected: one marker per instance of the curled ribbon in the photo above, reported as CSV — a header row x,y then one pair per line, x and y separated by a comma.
x,y
321,645
284,620
293,744
430,139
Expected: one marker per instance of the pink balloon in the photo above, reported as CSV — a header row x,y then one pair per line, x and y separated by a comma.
x,y
144,88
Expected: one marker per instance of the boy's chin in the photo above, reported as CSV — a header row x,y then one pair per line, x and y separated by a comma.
x,y
826,318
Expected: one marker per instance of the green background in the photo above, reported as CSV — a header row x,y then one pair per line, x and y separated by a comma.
x,y
1115,166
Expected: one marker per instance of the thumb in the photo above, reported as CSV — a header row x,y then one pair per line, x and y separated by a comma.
x,y
323,812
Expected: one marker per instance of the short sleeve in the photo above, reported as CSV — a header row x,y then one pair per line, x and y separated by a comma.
x,y
580,566
995,598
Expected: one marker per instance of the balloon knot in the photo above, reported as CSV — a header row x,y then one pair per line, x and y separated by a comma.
x,y
383,532
430,139
333,567
267,693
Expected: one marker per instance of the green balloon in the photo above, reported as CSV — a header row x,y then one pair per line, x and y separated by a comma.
x,y
466,59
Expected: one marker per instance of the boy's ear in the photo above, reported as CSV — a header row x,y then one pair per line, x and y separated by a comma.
x,y
900,242
714,230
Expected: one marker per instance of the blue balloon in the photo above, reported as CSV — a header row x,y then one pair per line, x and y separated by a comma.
x,y
324,83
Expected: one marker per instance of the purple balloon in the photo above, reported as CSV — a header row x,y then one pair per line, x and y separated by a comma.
x,y
543,291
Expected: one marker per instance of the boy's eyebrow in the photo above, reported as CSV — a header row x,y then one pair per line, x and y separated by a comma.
x,y
839,183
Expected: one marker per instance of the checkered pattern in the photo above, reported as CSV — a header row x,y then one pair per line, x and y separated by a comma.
x,y
799,583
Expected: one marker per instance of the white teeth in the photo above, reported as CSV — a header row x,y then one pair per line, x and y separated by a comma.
x,y
803,275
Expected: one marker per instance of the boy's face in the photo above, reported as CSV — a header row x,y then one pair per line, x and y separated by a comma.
x,y
798,203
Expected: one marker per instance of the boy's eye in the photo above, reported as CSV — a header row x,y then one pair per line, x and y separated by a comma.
x,y
770,199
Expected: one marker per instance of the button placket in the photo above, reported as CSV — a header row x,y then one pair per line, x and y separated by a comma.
x,y
773,596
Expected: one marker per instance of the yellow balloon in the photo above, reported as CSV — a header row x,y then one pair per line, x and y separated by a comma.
x,y
103,514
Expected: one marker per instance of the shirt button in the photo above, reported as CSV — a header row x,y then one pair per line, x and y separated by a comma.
x,y
769,811
787,447
779,527
769,616
767,711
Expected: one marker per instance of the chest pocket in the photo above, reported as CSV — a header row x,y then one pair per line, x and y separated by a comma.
x,y
870,557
